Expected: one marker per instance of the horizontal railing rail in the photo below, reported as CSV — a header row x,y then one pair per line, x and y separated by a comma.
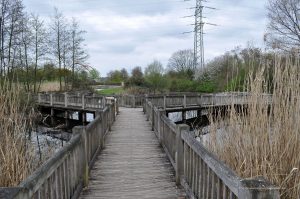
x,y
66,173
199,171
188,100
70,100
131,101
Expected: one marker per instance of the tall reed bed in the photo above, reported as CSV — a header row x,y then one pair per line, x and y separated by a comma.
x,y
16,154
265,139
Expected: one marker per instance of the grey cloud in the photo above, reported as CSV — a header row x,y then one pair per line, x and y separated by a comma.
x,y
126,33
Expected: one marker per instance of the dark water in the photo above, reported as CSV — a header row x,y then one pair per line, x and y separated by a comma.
x,y
52,133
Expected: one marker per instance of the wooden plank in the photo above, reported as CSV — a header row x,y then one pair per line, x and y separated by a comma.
x,y
132,164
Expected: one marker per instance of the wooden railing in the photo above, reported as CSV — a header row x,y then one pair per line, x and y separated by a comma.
x,y
188,100
66,173
198,170
131,101
71,100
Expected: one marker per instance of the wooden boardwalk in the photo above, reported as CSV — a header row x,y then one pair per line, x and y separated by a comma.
x,y
132,165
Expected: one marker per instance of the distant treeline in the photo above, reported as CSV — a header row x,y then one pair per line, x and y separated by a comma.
x,y
228,72
29,46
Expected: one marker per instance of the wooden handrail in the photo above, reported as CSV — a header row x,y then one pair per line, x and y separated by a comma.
x,y
66,173
199,171
67,100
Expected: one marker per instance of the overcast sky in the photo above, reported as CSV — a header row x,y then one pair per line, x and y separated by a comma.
x,y
128,33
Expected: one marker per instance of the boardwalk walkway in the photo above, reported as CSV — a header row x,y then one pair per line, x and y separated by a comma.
x,y
132,165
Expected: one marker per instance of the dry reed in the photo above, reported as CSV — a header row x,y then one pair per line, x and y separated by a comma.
x,y
15,153
265,139
50,87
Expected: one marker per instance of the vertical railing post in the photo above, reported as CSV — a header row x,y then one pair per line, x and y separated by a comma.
x,y
148,111
83,156
160,123
152,119
102,128
258,188
51,99
133,101
39,98
184,101
103,102
198,99
109,118
114,110
66,99
179,152
83,101
165,102
117,106
144,104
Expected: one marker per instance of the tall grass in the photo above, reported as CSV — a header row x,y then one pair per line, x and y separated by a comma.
x,y
265,139
16,154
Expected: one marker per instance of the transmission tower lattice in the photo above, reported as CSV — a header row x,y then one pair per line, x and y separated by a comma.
x,y
198,40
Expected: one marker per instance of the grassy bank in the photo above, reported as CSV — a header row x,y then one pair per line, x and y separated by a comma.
x,y
112,91
265,141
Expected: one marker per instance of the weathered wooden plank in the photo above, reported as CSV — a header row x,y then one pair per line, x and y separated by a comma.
x,y
132,165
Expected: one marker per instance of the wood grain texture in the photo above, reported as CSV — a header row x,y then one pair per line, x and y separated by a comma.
x,y
132,165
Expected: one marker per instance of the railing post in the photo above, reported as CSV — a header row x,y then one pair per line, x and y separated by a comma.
x,y
83,101
109,118
66,99
133,102
184,101
103,102
258,188
102,128
198,99
84,150
39,98
152,119
179,152
117,106
145,103
114,110
165,102
148,114
51,99
159,131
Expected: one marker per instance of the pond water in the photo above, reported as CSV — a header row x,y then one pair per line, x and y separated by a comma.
x,y
201,131
49,137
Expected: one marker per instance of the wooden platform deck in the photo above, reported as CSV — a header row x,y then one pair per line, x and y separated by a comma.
x,y
132,165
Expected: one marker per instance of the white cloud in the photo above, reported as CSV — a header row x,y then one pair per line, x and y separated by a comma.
x,y
127,33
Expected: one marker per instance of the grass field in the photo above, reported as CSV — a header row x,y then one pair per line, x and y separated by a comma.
x,y
111,91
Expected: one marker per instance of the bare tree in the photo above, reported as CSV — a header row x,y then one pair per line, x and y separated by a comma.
x,y
24,49
284,25
11,23
14,29
182,61
5,5
39,36
58,27
79,55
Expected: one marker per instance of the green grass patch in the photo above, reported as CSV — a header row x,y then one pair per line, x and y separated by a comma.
x,y
111,91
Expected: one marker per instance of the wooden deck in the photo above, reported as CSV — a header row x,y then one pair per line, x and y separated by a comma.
x,y
132,165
